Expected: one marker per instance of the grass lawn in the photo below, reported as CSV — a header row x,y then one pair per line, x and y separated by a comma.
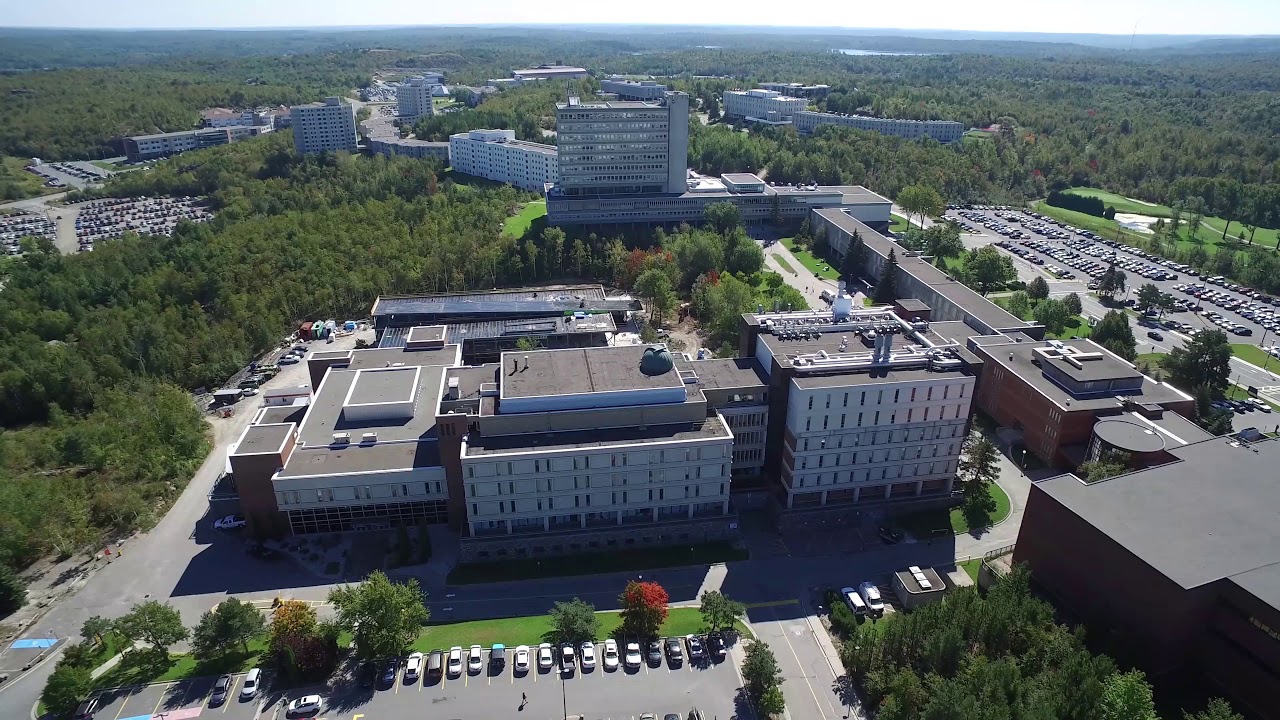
x,y
897,223
811,262
971,567
977,135
533,629
1235,392
1122,203
1252,354
784,264
594,563
146,666
105,165
1079,326
517,225
923,524
1107,228
30,184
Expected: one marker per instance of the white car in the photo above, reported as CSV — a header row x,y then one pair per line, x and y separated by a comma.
x,y
871,596
610,654
545,658
455,661
522,659
633,654
567,659
251,681
304,704
588,656
475,659
249,392
413,666
230,522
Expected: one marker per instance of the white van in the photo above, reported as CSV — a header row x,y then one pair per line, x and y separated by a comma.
x,y
871,595
854,601
250,687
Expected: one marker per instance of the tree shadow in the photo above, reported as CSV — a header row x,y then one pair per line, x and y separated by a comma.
x,y
136,667
743,707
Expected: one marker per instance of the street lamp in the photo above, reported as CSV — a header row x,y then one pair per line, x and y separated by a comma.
x,y
1024,461
564,697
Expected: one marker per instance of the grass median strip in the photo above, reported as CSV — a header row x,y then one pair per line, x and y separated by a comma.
x,y
143,665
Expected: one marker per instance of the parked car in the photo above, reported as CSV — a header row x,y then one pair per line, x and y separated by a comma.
x,y
697,651
86,709
230,522
1154,335
251,681
475,659
221,689
435,664
871,596
610,654
455,661
497,657
719,648
545,657
633,654
889,535
568,659
304,705
413,667
522,659
854,601
588,652
655,652
675,655
389,670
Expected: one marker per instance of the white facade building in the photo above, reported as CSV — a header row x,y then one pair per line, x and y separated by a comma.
x,y
623,147
414,99
326,126
944,131
633,89
761,105
497,155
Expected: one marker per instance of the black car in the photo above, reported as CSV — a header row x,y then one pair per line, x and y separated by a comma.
x,y
1155,335
716,642
674,653
890,536
655,652
221,689
389,670
86,709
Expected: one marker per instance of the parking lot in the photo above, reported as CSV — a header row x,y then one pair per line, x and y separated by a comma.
x,y
621,694
111,218
180,701
17,225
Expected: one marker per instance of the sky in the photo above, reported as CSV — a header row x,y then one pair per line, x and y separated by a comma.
x,y
1150,17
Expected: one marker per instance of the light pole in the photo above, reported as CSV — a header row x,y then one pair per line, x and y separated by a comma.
x,y
564,697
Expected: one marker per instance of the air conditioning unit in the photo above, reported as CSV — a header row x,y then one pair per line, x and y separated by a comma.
x,y
369,437
341,438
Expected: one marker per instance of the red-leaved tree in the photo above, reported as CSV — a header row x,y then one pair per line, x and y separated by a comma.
x,y
644,608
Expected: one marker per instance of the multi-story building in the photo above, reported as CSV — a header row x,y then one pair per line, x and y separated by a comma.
x,y
767,106
626,162
414,99
1071,400
623,147
944,131
497,155
549,72
633,89
150,147
328,126
409,147
865,407
798,90
222,117
1181,577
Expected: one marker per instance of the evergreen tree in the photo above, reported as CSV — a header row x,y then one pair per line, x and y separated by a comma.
x,y
852,263
886,291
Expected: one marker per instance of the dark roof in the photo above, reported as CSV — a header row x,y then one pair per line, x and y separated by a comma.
x,y
1129,435
263,439
580,370
730,373
1107,367
1210,515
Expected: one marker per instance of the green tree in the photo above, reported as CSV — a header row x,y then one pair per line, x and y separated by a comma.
x,y
987,269
384,617
574,622
760,670
644,608
1053,315
920,200
13,592
65,688
723,217
1072,301
1204,360
1127,696
155,623
941,241
1115,333
719,611
231,623
886,290
772,703
1148,296
854,260
1019,304
1111,283
979,467
1212,419
1038,289
95,629
1111,463
1218,709
655,286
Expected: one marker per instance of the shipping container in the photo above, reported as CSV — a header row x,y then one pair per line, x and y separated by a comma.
x,y
304,331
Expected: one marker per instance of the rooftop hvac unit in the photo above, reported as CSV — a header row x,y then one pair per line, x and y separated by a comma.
x,y
369,437
341,438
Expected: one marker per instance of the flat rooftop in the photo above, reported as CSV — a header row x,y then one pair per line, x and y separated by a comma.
x,y
729,373
280,414
383,385
479,445
981,309
1208,516
357,458
259,439
1107,367
1017,358
611,105
555,300
742,178
912,585
580,371
325,416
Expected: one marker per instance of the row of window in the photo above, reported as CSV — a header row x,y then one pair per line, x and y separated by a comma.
x,y
944,412
547,504
927,395
754,455
585,462
359,492
881,437
580,482
366,517
898,454
737,420
889,472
